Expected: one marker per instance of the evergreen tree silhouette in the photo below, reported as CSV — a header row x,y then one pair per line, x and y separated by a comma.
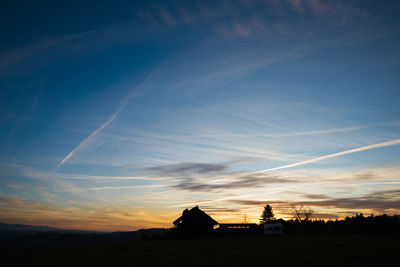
x,y
267,215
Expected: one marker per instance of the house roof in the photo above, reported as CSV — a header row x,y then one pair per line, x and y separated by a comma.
x,y
195,214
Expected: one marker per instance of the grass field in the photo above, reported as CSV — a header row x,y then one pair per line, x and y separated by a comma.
x,y
287,250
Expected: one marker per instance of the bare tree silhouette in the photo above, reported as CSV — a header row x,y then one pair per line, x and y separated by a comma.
x,y
302,214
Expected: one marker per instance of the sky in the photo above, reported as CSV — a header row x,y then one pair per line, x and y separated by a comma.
x,y
118,115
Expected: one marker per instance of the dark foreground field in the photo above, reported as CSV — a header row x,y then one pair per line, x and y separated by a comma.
x,y
287,250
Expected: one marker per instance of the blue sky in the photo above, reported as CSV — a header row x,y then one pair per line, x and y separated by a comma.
x,y
117,116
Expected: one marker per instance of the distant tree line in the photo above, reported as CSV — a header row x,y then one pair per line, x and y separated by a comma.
x,y
303,223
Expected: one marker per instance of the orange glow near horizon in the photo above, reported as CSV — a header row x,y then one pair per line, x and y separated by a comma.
x,y
122,218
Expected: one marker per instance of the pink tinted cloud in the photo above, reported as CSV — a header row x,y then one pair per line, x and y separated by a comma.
x,y
334,12
166,16
187,16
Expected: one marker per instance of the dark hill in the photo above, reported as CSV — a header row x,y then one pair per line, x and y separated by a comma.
x,y
24,227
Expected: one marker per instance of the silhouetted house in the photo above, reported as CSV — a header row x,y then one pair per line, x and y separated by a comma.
x,y
238,229
195,222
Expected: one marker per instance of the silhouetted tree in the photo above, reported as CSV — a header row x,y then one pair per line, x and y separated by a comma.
x,y
302,214
267,215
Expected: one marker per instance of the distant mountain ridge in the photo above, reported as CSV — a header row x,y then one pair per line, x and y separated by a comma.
x,y
24,227
45,228
39,228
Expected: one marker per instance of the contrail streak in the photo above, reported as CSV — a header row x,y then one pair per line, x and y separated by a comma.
x,y
350,151
122,105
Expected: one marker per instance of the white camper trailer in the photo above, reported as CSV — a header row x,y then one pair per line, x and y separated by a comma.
x,y
273,229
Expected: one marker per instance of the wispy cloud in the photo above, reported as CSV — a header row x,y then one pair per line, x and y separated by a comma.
x,y
15,186
240,182
245,19
44,45
379,201
124,187
12,201
295,133
85,142
288,187
350,151
188,168
166,16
